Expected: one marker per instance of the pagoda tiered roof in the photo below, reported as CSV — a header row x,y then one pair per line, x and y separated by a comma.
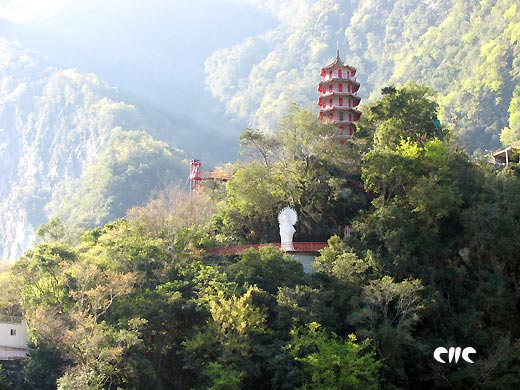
x,y
347,80
355,98
342,108
337,63
338,97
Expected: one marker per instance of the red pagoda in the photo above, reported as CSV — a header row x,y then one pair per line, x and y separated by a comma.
x,y
338,97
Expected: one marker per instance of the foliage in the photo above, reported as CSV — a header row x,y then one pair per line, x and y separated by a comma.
x,y
72,147
467,51
172,209
227,338
301,166
401,114
131,167
431,261
52,230
268,268
330,362
4,382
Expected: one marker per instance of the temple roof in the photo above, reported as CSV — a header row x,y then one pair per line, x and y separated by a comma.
x,y
338,62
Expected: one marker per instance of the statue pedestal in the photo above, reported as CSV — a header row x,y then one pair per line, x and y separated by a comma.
x,y
287,246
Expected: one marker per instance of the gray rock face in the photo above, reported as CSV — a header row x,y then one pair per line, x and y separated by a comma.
x,y
52,123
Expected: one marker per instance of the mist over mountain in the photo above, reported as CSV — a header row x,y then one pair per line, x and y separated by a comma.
x,y
123,276
55,122
466,51
153,52
80,79
101,104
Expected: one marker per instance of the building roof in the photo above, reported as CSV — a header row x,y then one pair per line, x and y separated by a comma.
x,y
507,155
337,63
11,319
324,83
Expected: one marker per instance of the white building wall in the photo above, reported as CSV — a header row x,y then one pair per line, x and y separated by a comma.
x,y
13,340
13,334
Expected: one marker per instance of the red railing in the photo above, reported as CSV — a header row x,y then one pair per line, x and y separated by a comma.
x,y
298,247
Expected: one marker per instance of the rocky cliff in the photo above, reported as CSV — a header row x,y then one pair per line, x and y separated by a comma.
x,y
54,123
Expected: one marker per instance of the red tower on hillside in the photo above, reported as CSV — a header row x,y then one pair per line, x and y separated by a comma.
x,y
338,96
197,175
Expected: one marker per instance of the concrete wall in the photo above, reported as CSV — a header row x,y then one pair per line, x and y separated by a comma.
x,y
16,340
306,258
13,340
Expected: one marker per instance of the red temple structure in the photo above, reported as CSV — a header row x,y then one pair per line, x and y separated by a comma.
x,y
197,175
338,97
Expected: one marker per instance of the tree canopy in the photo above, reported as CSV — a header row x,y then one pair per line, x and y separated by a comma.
x,y
431,261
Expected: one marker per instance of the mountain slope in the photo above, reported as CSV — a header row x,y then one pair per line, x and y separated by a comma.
x,y
56,122
466,51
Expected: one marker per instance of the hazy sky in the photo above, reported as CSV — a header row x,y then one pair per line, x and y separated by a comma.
x,y
146,47
153,51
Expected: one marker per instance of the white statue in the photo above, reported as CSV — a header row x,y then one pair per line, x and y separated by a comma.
x,y
287,219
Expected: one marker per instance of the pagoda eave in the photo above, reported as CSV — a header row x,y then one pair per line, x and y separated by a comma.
x,y
341,108
355,99
341,94
325,118
339,124
322,86
339,64
326,107
346,123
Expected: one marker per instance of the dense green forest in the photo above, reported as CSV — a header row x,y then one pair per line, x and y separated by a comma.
x,y
432,261
64,134
102,104
467,51
193,75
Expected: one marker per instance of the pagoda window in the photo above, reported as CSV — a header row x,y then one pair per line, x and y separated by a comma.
x,y
330,102
348,88
330,88
340,73
340,87
341,116
340,101
350,117
330,74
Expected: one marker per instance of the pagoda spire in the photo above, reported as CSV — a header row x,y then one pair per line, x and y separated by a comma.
x,y
338,96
